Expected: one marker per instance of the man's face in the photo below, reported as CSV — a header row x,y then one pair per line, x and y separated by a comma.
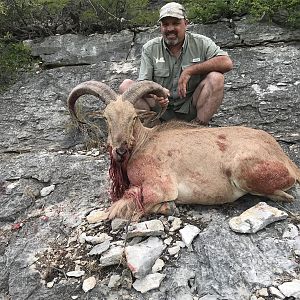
x,y
173,30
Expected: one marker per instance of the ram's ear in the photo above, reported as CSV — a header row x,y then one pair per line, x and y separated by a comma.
x,y
145,114
146,117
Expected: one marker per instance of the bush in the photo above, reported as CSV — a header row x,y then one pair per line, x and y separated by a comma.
x,y
285,12
14,58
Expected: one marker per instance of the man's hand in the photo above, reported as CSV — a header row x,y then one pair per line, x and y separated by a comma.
x,y
182,83
163,102
153,99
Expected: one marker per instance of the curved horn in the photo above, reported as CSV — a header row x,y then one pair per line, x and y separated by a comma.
x,y
141,88
95,88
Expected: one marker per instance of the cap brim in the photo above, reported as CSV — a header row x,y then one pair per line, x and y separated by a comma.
x,y
177,16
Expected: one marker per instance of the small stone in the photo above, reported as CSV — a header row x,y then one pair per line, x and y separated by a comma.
x,y
50,284
75,273
74,297
174,250
47,190
168,241
96,216
188,233
256,218
94,240
176,224
117,224
81,238
263,292
181,244
158,265
141,257
99,249
114,281
112,257
150,282
147,228
89,284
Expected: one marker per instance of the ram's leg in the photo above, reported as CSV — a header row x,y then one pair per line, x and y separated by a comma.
x,y
144,200
266,178
129,206
165,208
281,196
159,198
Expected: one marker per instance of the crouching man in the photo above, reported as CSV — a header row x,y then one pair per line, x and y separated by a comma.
x,y
189,65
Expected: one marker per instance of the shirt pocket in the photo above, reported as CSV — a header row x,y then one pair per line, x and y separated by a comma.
x,y
161,74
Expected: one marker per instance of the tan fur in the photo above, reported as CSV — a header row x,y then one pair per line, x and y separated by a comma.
x,y
192,165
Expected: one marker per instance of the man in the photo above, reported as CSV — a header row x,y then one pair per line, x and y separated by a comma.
x,y
190,66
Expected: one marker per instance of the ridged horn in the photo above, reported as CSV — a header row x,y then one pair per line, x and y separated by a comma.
x,y
92,87
141,88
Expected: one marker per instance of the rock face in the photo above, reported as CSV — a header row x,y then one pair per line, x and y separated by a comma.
x,y
50,181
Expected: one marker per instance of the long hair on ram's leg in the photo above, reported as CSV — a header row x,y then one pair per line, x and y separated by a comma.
x,y
119,178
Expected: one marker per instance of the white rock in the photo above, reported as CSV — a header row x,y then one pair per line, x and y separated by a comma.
x,y
50,284
89,284
158,265
174,250
10,187
75,273
47,190
291,288
176,224
96,216
291,232
118,223
188,233
112,257
263,292
98,239
168,241
100,248
74,297
147,228
181,244
275,292
81,238
114,281
256,218
150,282
141,257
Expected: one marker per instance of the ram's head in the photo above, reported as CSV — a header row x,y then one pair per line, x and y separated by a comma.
x,y
121,116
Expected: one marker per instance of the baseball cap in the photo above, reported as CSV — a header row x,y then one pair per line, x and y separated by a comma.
x,y
172,9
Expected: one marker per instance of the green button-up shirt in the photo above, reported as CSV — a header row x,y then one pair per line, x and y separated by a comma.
x,y
159,65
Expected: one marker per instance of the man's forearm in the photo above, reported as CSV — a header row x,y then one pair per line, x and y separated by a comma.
x,y
220,64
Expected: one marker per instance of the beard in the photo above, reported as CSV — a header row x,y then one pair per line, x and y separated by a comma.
x,y
171,42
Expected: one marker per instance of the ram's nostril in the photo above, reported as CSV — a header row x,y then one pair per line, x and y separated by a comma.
x,y
121,151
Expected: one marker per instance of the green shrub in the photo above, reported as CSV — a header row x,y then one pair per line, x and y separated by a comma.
x,y
14,58
286,12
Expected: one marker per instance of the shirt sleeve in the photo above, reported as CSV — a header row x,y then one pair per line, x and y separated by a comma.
x,y
212,50
146,67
